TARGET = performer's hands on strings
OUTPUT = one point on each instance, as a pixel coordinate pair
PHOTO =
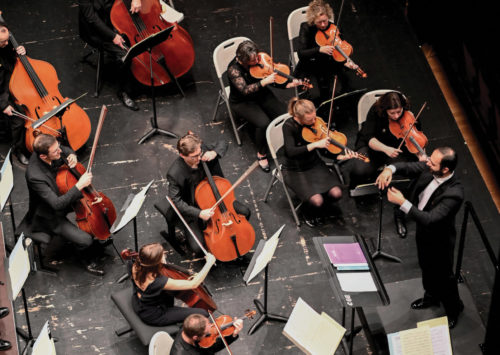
(206, 214)
(119, 41)
(238, 326)
(135, 6)
(208, 156)
(72, 160)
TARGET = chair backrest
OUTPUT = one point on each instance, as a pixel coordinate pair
(274, 134)
(293, 23)
(366, 102)
(224, 54)
(160, 344)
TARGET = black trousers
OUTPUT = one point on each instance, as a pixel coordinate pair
(16, 127)
(63, 227)
(260, 113)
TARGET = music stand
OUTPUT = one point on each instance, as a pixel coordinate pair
(372, 189)
(143, 46)
(6, 186)
(260, 260)
(44, 344)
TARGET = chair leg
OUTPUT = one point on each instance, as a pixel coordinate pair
(217, 104)
(116, 250)
(339, 173)
(290, 202)
(233, 123)
(270, 185)
(100, 60)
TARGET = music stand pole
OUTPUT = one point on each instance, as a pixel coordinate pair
(379, 253)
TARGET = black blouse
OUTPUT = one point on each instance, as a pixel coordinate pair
(297, 157)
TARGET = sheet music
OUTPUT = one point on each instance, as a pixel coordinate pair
(6, 181)
(356, 282)
(19, 267)
(132, 209)
(416, 341)
(440, 335)
(266, 255)
(44, 344)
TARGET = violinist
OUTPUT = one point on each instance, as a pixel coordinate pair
(183, 177)
(96, 29)
(375, 140)
(304, 171)
(153, 298)
(194, 328)
(16, 124)
(316, 62)
(251, 98)
(48, 209)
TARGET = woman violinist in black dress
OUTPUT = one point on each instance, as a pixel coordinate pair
(153, 299)
(303, 170)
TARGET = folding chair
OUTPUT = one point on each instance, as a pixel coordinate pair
(170, 14)
(366, 102)
(223, 55)
(160, 344)
(293, 23)
(274, 136)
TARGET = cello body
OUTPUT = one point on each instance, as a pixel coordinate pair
(228, 234)
(35, 86)
(177, 52)
(95, 213)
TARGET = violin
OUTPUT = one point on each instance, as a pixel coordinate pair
(226, 328)
(198, 297)
(342, 50)
(34, 86)
(95, 213)
(404, 128)
(228, 235)
(174, 56)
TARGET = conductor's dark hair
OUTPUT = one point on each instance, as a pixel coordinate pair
(246, 50)
(390, 101)
(450, 158)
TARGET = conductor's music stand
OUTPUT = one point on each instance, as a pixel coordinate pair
(260, 260)
(372, 189)
(147, 45)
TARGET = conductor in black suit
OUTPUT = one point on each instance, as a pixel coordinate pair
(184, 175)
(435, 199)
(47, 207)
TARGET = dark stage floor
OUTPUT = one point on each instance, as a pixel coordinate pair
(78, 305)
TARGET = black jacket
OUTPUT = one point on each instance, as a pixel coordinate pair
(94, 21)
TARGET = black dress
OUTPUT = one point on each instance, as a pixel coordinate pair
(156, 305)
(304, 171)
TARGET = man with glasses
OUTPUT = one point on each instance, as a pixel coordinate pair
(47, 207)
(185, 173)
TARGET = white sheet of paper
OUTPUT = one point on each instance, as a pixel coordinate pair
(19, 267)
(6, 181)
(356, 281)
(133, 208)
(44, 344)
(266, 255)
(416, 341)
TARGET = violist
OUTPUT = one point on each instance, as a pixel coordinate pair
(48, 208)
(184, 175)
(304, 171)
(16, 124)
(153, 300)
(96, 29)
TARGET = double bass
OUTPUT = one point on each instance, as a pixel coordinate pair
(95, 213)
(34, 86)
(176, 53)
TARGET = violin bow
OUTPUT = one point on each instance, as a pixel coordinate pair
(186, 225)
(220, 333)
(413, 124)
(239, 181)
(331, 103)
(27, 118)
(102, 116)
(271, 41)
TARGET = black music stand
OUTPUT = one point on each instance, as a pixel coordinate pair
(372, 189)
(261, 258)
(147, 45)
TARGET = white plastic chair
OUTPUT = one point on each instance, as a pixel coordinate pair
(170, 14)
(160, 344)
(293, 23)
(366, 102)
(274, 136)
(224, 53)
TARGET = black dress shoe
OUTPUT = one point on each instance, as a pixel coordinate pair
(3, 312)
(21, 157)
(264, 166)
(453, 320)
(310, 221)
(127, 101)
(400, 225)
(94, 269)
(424, 302)
(5, 345)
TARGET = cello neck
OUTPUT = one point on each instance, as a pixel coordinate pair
(213, 186)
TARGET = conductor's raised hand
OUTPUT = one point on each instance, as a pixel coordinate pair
(384, 179)
(395, 196)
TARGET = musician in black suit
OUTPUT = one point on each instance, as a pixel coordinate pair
(434, 201)
(97, 30)
(47, 207)
(185, 173)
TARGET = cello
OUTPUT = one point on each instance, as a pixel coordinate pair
(176, 54)
(34, 86)
(196, 298)
(95, 213)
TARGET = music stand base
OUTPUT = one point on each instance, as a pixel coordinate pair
(381, 254)
(264, 316)
(154, 131)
